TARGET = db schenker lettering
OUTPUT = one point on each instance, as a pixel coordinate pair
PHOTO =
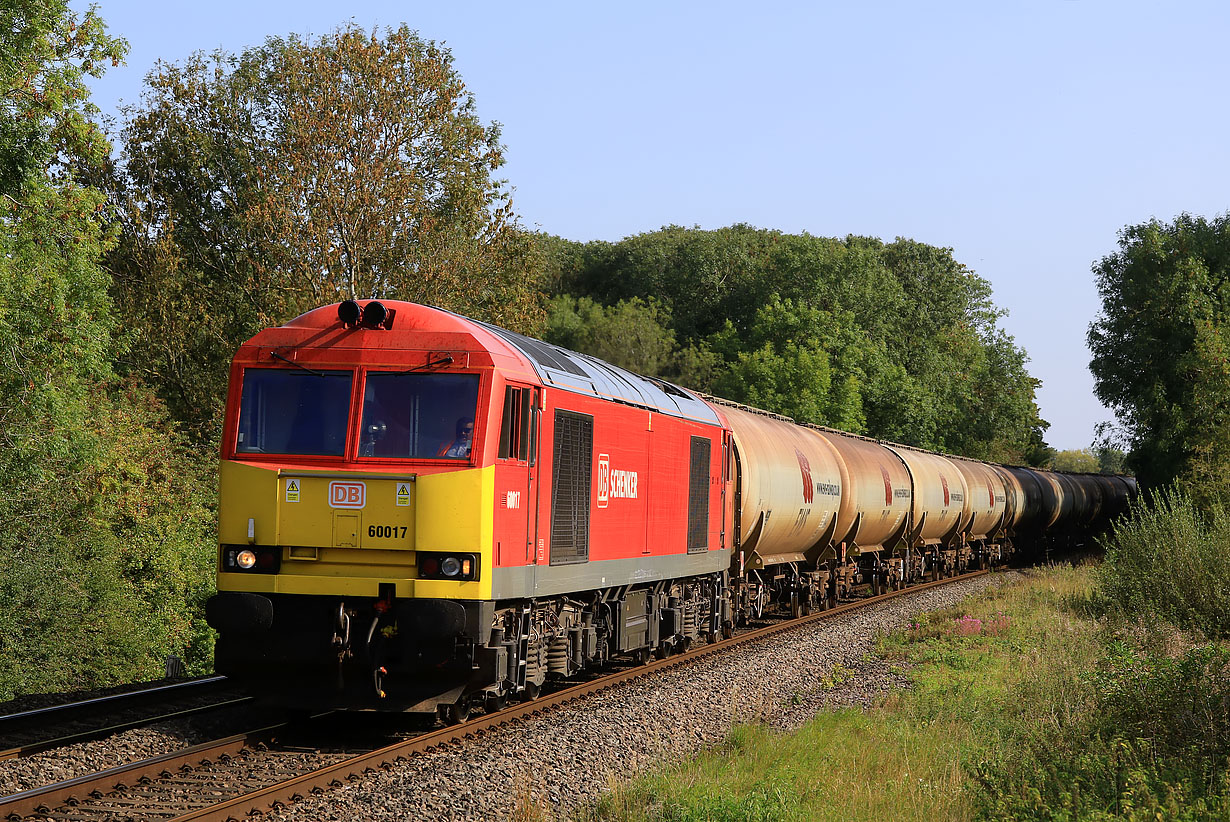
(623, 484)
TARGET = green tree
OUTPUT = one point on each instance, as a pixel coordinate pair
(258, 186)
(1076, 460)
(96, 558)
(633, 334)
(1110, 459)
(1160, 357)
(796, 361)
(899, 340)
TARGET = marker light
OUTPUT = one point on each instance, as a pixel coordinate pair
(453, 567)
(245, 559)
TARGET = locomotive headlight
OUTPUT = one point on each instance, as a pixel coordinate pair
(452, 567)
(349, 313)
(374, 314)
(258, 559)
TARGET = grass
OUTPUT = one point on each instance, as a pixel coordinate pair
(1027, 703)
(844, 765)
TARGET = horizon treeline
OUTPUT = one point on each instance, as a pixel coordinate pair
(892, 340)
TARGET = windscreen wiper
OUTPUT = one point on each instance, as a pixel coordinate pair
(447, 359)
(311, 371)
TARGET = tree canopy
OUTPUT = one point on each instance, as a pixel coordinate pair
(254, 187)
(99, 543)
(1075, 460)
(1160, 354)
(896, 340)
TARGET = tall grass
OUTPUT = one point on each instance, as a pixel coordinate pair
(843, 766)
(1142, 729)
(1168, 562)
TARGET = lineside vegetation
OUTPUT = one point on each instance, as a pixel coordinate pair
(1094, 693)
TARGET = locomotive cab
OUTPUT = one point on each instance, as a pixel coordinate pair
(356, 506)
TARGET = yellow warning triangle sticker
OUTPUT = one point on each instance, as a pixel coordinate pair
(293, 485)
(402, 490)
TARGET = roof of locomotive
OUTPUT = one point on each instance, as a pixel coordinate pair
(589, 375)
(554, 365)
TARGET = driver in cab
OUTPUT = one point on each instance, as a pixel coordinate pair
(459, 448)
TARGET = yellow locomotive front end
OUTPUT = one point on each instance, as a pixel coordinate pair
(353, 533)
(356, 505)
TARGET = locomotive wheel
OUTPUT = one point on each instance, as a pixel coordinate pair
(641, 656)
(495, 702)
(728, 629)
(531, 692)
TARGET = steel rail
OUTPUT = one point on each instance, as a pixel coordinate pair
(47, 799)
(97, 733)
(292, 790)
(23, 717)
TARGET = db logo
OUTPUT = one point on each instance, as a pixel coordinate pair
(347, 494)
(604, 480)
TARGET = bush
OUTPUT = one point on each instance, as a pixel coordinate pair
(1142, 737)
(108, 563)
(1167, 562)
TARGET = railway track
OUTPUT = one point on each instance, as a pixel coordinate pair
(44, 729)
(266, 768)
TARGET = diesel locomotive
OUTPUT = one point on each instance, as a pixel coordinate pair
(422, 512)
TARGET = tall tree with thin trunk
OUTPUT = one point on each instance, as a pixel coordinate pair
(300, 173)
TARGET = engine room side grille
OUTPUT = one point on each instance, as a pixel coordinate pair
(572, 471)
(698, 497)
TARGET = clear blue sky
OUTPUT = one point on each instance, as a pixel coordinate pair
(1022, 135)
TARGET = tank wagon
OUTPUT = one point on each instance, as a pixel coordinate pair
(422, 512)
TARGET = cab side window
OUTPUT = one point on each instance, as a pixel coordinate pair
(518, 424)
